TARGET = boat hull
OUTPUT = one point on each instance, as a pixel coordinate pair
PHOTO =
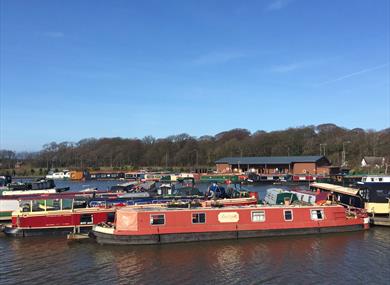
(107, 238)
(20, 232)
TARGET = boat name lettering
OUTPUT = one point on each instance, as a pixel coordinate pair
(228, 217)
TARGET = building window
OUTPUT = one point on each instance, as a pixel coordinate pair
(258, 216)
(157, 219)
(198, 218)
(288, 215)
(317, 215)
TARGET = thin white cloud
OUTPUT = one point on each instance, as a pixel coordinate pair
(277, 5)
(217, 58)
(287, 67)
(354, 74)
(54, 34)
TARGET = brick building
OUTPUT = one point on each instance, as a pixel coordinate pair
(275, 164)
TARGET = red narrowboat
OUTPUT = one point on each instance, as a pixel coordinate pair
(62, 214)
(167, 225)
(55, 214)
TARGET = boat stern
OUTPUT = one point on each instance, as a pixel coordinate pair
(12, 231)
(103, 229)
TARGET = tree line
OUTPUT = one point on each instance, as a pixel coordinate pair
(187, 151)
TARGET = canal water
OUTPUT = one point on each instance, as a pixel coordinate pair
(355, 258)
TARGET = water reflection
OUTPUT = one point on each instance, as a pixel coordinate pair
(233, 261)
(301, 260)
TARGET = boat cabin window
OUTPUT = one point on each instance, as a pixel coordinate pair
(53, 205)
(380, 179)
(258, 216)
(198, 218)
(288, 215)
(379, 196)
(86, 219)
(25, 206)
(372, 179)
(157, 219)
(317, 215)
(110, 217)
(67, 204)
(38, 205)
(80, 203)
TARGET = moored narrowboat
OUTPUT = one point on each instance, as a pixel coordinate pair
(134, 176)
(40, 186)
(106, 175)
(78, 212)
(55, 214)
(376, 181)
(228, 178)
(167, 225)
(374, 199)
(277, 196)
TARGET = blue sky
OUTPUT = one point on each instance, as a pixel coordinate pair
(79, 69)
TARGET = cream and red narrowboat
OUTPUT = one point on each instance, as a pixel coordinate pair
(62, 214)
(167, 225)
(55, 214)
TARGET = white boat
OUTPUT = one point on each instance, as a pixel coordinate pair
(277, 196)
(375, 180)
(64, 174)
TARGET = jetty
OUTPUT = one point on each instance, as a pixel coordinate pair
(77, 237)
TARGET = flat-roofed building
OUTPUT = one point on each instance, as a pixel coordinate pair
(317, 164)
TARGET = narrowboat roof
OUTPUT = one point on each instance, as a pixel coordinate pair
(336, 188)
(302, 191)
(229, 208)
(68, 195)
